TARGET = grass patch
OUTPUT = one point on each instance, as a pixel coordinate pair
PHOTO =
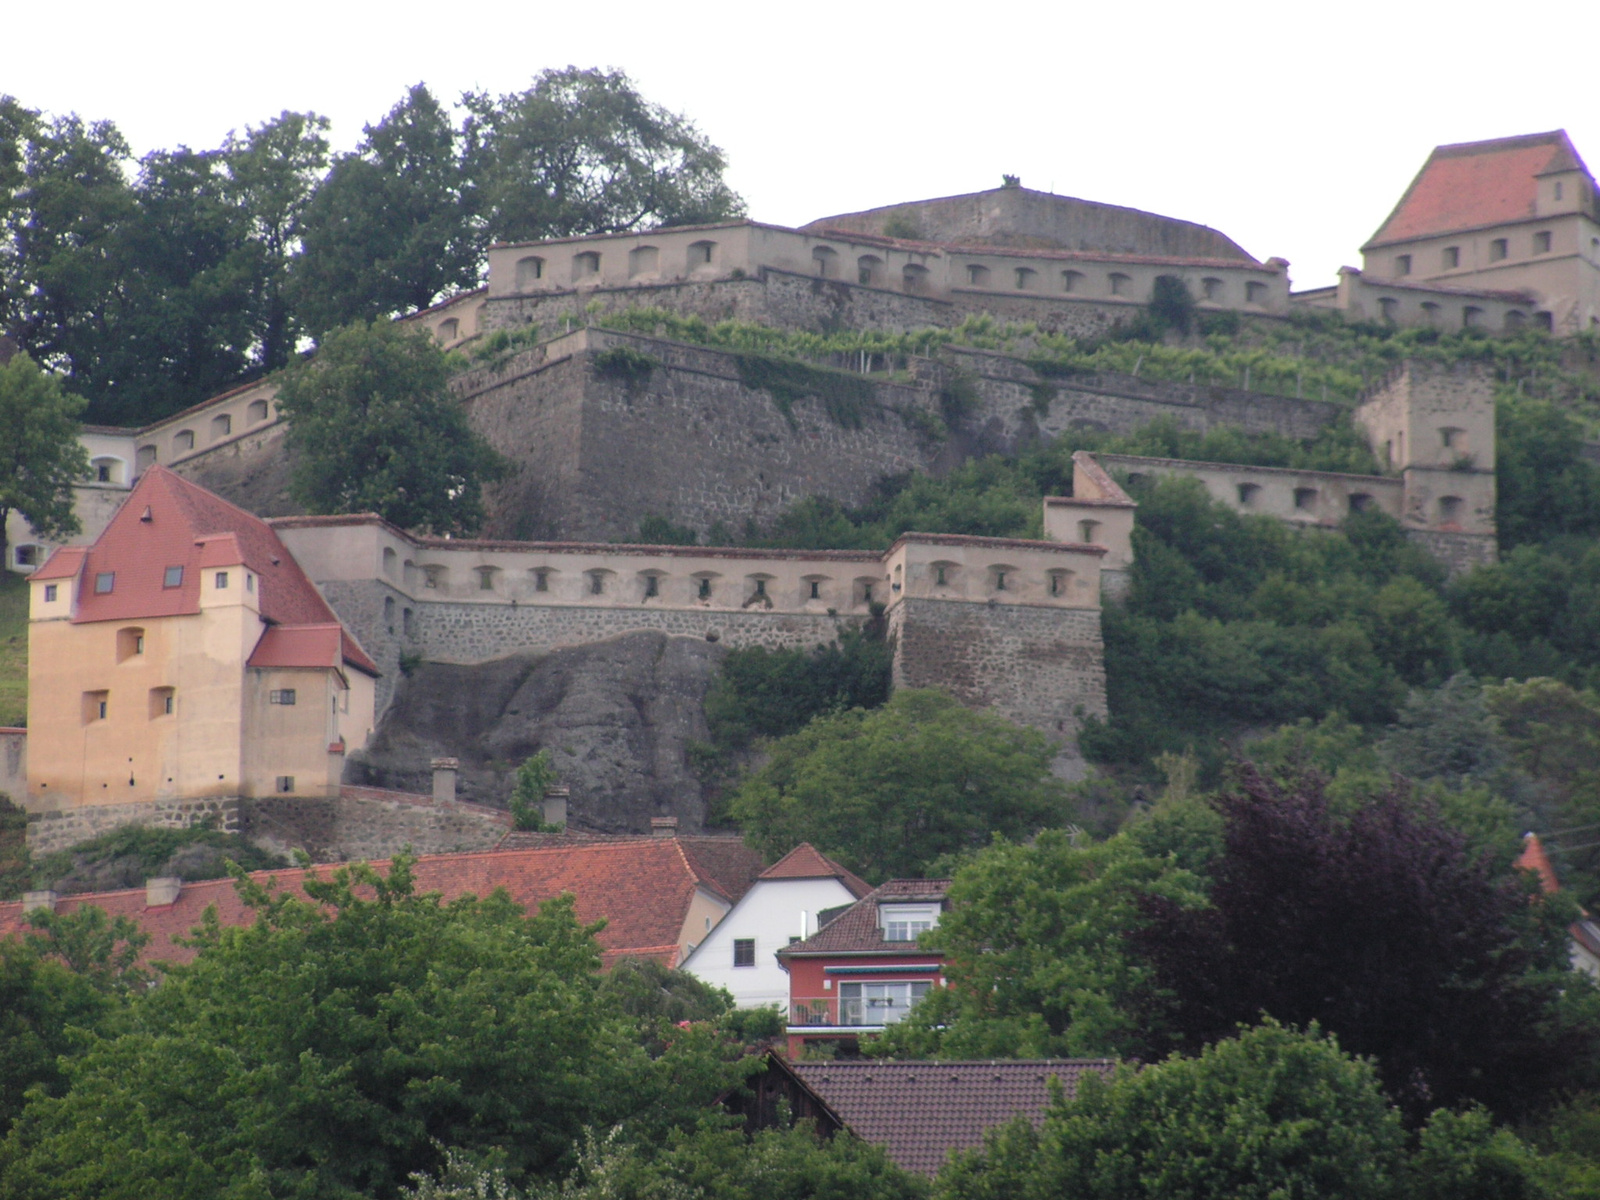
(13, 649)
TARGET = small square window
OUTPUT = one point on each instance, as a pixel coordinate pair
(1452, 257)
(744, 952)
(1541, 243)
(286, 783)
(49, 593)
(1402, 264)
(172, 577)
(102, 473)
(1498, 249)
(281, 696)
(104, 582)
(222, 580)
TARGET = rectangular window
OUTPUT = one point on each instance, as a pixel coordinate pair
(249, 583)
(541, 581)
(1541, 243)
(49, 593)
(102, 473)
(95, 705)
(161, 702)
(281, 696)
(1402, 264)
(652, 586)
(286, 783)
(172, 577)
(104, 582)
(1451, 258)
(905, 931)
(222, 580)
(1498, 249)
(878, 1003)
(816, 589)
(744, 952)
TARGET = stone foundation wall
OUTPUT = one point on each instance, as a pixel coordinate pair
(1038, 666)
(370, 825)
(250, 471)
(1459, 552)
(56, 829)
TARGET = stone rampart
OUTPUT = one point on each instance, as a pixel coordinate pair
(1038, 666)
(251, 471)
(1459, 552)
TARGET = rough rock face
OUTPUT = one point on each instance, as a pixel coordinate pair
(617, 716)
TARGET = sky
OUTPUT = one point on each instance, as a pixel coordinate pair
(1293, 128)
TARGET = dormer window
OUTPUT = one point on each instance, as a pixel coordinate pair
(906, 922)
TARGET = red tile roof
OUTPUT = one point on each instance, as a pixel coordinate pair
(63, 564)
(920, 1111)
(642, 888)
(806, 862)
(1533, 858)
(1472, 185)
(725, 865)
(191, 528)
(856, 930)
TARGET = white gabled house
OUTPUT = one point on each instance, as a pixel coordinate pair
(779, 909)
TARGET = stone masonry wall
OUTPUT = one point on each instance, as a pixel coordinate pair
(1459, 552)
(59, 828)
(1038, 666)
(251, 471)
(370, 825)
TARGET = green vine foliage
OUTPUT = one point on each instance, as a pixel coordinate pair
(847, 399)
(624, 365)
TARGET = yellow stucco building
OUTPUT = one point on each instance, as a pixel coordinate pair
(183, 661)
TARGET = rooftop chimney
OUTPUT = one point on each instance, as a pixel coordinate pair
(162, 890)
(444, 779)
(663, 826)
(555, 805)
(33, 900)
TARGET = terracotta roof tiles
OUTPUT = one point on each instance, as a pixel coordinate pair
(920, 1111)
(856, 930)
(806, 862)
(641, 888)
(1472, 185)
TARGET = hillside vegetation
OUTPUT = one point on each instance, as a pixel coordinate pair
(13, 649)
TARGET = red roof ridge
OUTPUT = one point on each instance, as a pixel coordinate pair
(805, 861)
(1533, 858)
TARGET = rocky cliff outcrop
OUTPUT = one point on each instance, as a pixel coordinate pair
(617, 715)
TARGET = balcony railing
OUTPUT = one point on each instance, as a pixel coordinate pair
(869, 1012)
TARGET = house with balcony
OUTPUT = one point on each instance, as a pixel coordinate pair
(863, 970)
(781, 909)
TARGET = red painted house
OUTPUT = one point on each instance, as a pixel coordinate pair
(862, 970)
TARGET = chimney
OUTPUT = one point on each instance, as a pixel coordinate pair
(555, 805)
(162, 890)
(444, 779)
(33, 900)
(663, 826)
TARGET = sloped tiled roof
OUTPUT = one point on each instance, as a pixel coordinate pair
(724, 864)
(805, 861)
(1533, 858)
(642, 888)
(1472, 185)
(856, 930)
(167, 521)
(920, 1111)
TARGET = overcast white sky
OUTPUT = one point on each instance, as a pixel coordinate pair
(1291, 127)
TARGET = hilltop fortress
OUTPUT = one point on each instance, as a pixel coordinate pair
(607, 427)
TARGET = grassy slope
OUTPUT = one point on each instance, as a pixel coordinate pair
(13, 649)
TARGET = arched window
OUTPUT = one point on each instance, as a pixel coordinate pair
(1471, 317)
(643, 260)
(183, 440)
(391, 561)
(1248, 493)
(1211, 288)
(977, 275)
(106, 470)
(1071, 281)
(1002, 577)
(388, 612)
(1255, 293)
(448, 329)
(1305, 498)
(869, 270)
(1430, 312)
(1390, 308)
(221, 426)
(144, 457)
(1060, 582)
(257, 412)
(1360, 502)
(1087, 530)
(130, 643)
(530, 271)
(702, 254)
(1544, 321)
(826, 259)
(1516, 318)
(585, 265)
(1027, 279)
(914, 278)
(485, 578)
(1119, 283)
(1450, 508)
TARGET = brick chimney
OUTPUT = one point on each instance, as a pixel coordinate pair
(44, 899)
(444, 779)
(162, 890)
(555, 805)
(663, 826)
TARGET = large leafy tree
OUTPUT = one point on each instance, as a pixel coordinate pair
(1383, 927)
(889, 790)
(581, 151)
(332, 1048)
(1272, 1114)
(40, 454)
(374, 429)
(389, 230)
(1033, 946)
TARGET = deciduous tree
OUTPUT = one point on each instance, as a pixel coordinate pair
(40, 454)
